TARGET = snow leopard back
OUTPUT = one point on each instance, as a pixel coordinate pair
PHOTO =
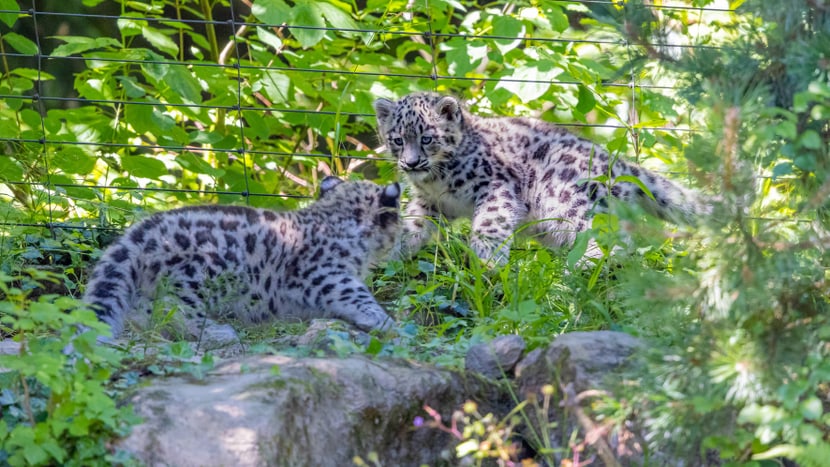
(252, 265)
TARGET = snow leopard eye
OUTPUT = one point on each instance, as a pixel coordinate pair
(398, 141)
(426, 139)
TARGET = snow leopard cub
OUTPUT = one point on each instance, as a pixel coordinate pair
(505, 172)
(252, 265)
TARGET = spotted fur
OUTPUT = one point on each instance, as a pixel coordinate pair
(506, 172)
(253, 265)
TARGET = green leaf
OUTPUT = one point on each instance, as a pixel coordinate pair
(144, 167)
(256, 126)
(156, 71)
(9, 170)
(507, 26)
(374, 347)
(31, 118)
(579, 248)
(558, 19)
(810, 139)
(276, 85)
(805, 162)
(308, 14)
(9, 18)
(131, 87)
(160, 41)
(268, 38)
(32, 74)
(139, 117)
(196, 164)
(336, 17)
(530, 82)
(636, 181)
(463, 55)
(587, 101)
(182, 82)
(130, 26)
(73, 160)
(273, 12)
(52, 447)
(811, 408)
(77, 45)
(20, 43)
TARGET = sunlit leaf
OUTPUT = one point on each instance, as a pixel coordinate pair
(308, 14)
(273, 12)
(36, 75)
(587, 101)
(143, 167)
(9, 18)
(78, 44)
(9, 170)
(530, 82)
(508, 27)
(160, 40)
(20, 43)
(268, 38)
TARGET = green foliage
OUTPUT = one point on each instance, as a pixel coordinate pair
(742, 321)
(56, 407)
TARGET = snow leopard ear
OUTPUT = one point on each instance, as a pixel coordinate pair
(449, 108)
(328, 183)
(384, 108)
(391, 195)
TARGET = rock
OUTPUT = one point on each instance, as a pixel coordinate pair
(217, 336)
(279, 410)
(584, 359)
(497, 358)
(319, 335)
(9, 347)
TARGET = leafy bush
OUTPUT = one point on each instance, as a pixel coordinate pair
(56, 407)
(742, 322)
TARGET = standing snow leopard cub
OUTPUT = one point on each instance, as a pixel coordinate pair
(505, 172)
(253, 265)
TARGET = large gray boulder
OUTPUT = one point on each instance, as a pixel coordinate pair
(292, 411)
(284, 411)
(587, 360)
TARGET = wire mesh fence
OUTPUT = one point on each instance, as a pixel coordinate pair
(111, 108)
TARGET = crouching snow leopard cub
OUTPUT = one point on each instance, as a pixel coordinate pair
(504, 172)
(253, 265)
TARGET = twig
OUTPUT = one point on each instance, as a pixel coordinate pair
(571, 401)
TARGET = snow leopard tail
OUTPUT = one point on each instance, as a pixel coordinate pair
(113, 285)
(662, 197)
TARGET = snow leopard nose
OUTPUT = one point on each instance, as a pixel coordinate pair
(410, 159)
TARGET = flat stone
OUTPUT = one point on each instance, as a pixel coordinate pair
(497, 358)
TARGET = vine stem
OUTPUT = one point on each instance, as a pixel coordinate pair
(210, 28)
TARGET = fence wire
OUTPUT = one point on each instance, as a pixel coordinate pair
(37, 65)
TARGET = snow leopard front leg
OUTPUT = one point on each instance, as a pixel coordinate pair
(419, 224)
(495, 219)
(346, 297)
